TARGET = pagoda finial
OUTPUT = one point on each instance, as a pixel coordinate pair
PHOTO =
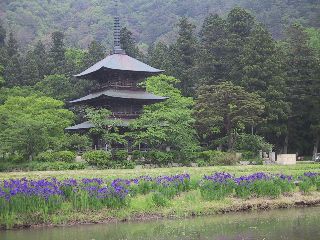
(116, 34)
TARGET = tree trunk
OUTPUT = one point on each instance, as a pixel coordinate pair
(315, 147)
(230, 140)
(285, 145)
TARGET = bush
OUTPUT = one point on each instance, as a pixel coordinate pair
(56, 166)
(98, 158)
(61, 156)
(216, 158)
(252, 143)
(121, 155)
(160, 157)
(41, 166)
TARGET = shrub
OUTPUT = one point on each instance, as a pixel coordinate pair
(55, 166)
(252, 143)
(98, 158)
(120, 155)
(160, 157)
(61, 156)
(216, 158)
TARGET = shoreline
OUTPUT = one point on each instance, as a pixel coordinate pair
(210, 208)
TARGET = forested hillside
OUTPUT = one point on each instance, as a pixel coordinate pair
(150, 20)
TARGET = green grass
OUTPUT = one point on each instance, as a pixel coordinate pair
(194, 172)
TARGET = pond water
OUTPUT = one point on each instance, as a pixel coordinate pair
(293, 224)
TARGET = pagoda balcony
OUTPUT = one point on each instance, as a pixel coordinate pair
(127, 115)
(118, 85)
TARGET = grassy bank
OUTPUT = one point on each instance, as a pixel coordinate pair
(196, 172)
(100, 196)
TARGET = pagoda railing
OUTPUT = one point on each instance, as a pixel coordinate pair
(127, 114)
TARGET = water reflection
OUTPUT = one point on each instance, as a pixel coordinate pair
(293, 224)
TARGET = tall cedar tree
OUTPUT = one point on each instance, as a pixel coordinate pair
(240, 24)
(57, 53)
(158, 56)
(128, 44)
(41, 57)
(213, 66)
(12, 45)
(30, 71)
(3, 34)
(96, 52)
(183, 57)
(262, 72)
(301, 76)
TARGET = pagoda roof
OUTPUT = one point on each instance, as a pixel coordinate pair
(87, 125)
(121, 62)
(124, 94)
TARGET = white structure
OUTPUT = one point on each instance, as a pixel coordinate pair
(287, 159)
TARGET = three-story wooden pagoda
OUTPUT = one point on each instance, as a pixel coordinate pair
(118, 77)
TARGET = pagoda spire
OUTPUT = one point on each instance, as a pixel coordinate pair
(116, 32)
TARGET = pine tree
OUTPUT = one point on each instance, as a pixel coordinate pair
(3, 34)
(30, 71)
(301, 77)
(128, 44)
(262, 72)
(211, 61)
(13, 72)
(96, 52)
(183, 56)
(159, 57)
(41, 58)
(12, 46)
(240, 25)
(57, 53)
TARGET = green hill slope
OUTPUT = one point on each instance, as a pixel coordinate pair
(149, 20)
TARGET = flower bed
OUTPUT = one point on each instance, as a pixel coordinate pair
(47, 196)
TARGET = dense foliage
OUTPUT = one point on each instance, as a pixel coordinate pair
(83, 21)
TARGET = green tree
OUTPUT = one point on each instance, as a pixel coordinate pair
(129, 44)
(169, 123)
(3, 34)
(159, 56)
(262, 72)
(30, 125)
(57, 53)
(12, 46)
(1, 76)
(13, 72)
(57, 86)
(96, 53)
(41, 58)
(302, 69)
(224, 109)
(105, 126)
(183, 57)
(212, 63)
(29, 71)
(240, 25)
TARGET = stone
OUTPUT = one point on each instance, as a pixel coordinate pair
(287, 159)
